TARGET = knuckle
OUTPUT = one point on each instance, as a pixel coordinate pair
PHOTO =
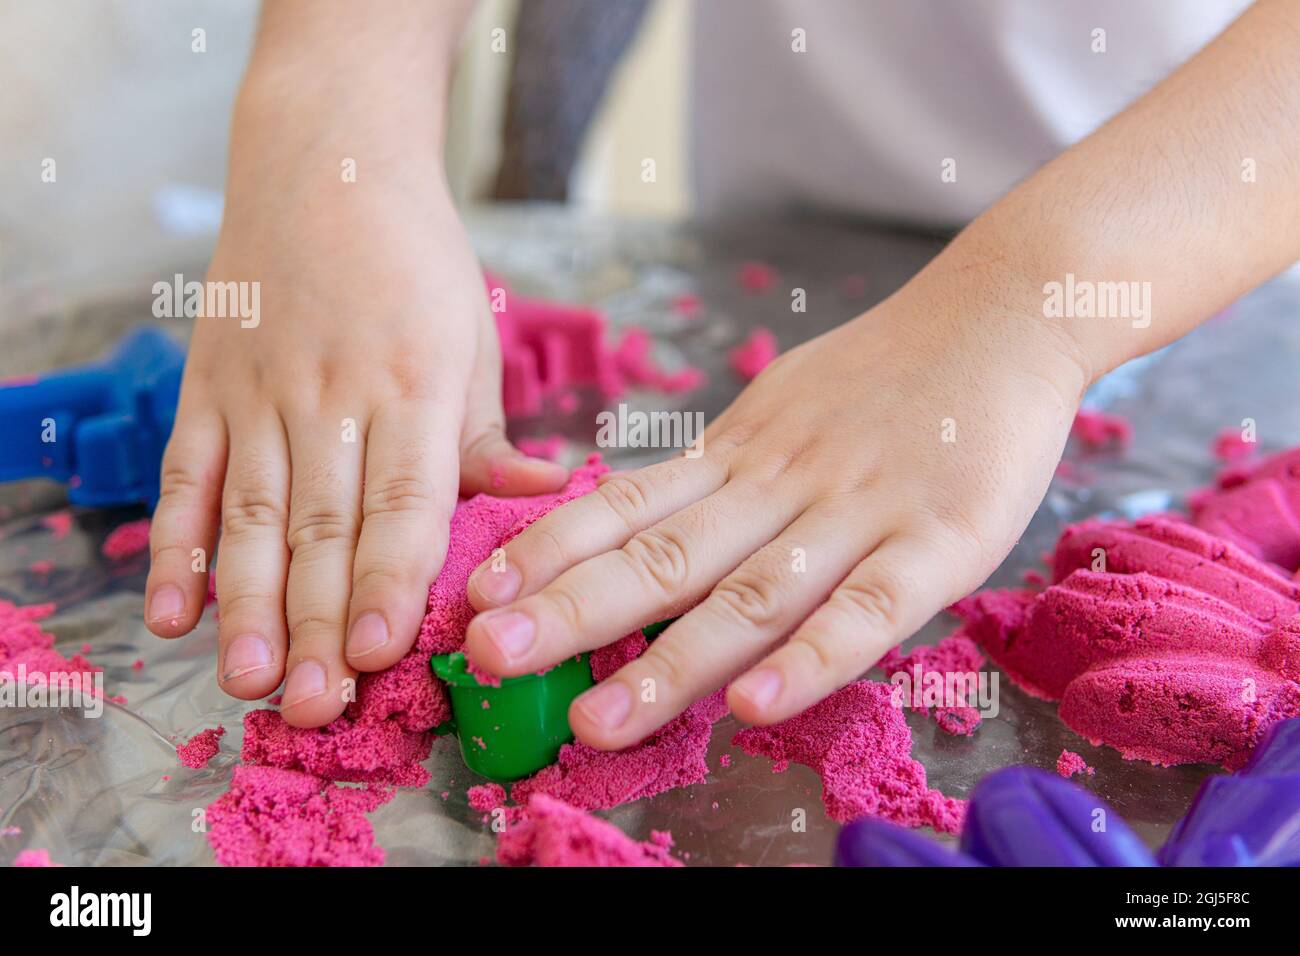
(567, 607)
(397, 493)
(306, 623)
(320, 525)
(659, 555)
(752, 599)
(380, 578)
(669, 664)
(171, 553)
(178, 479)
(627, 496)
(815, 648)
(249, 510)
(236, 605)
(874, 600)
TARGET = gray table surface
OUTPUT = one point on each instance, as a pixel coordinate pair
(92, 791)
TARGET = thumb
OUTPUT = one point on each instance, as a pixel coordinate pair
(488, 462)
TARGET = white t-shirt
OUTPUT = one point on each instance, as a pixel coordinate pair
(888, 91)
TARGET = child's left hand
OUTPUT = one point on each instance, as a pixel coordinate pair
(863, 482)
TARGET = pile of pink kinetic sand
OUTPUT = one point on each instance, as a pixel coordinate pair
(202, 747)
(548, 350)
(1173, 641)
(954, 655)
(552, 833)
(34, 858)
(25, 648)
(274, 817)
(860, 744)
(126, 540)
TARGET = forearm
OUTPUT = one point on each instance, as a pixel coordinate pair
(1160, 195)
(332, 81)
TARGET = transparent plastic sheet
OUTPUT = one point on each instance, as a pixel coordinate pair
(110, 791)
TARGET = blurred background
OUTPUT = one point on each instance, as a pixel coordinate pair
(137, 123)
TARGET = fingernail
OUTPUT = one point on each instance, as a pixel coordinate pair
(306, 680)
(246, 653)
(608, 704)
(167, 603)
(512, 633)
(498, 585)
(761, 688)
(369, 633)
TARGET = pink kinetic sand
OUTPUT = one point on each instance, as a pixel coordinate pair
(754, 354)
(274, 817)
(486, 797)
(1097, 430)
(1070, 763)
(952, 655)
(1229, 445)
(1172, 642)
(756, 277)
(548, 350)
(552, 833)
(674, 756)
(59, 523)
(126, 540)
(860, 744)
(34, 858)
(202, 747)
(24, 647)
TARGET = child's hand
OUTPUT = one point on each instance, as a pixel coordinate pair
(864, 481)
(328, 443)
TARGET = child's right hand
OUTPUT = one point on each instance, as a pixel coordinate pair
(328, 443)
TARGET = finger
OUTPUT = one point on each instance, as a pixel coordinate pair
(658, 573)
(590, 525)
(761, 601)
(254, 558)
(410, 492)
(327, 452)
(488, 462)
(884, 600)
(185, 520)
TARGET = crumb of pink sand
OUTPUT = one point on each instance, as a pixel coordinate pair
(1098, 430)
(853, 286)
(1070, 763)
(860, 744)
(1230, 445)
(724, 760)
(34, 858)
(688, 306)
(275, 699)
(59, 523)
(10, 831)
(486, 797)
(43, 566)
(202, 747)
(954, 655)
(166, 777)
(551, 832)
(754, 354)
(756, 277)
(274, 817)
(85, 648)
(137, 665)
(126, 540)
